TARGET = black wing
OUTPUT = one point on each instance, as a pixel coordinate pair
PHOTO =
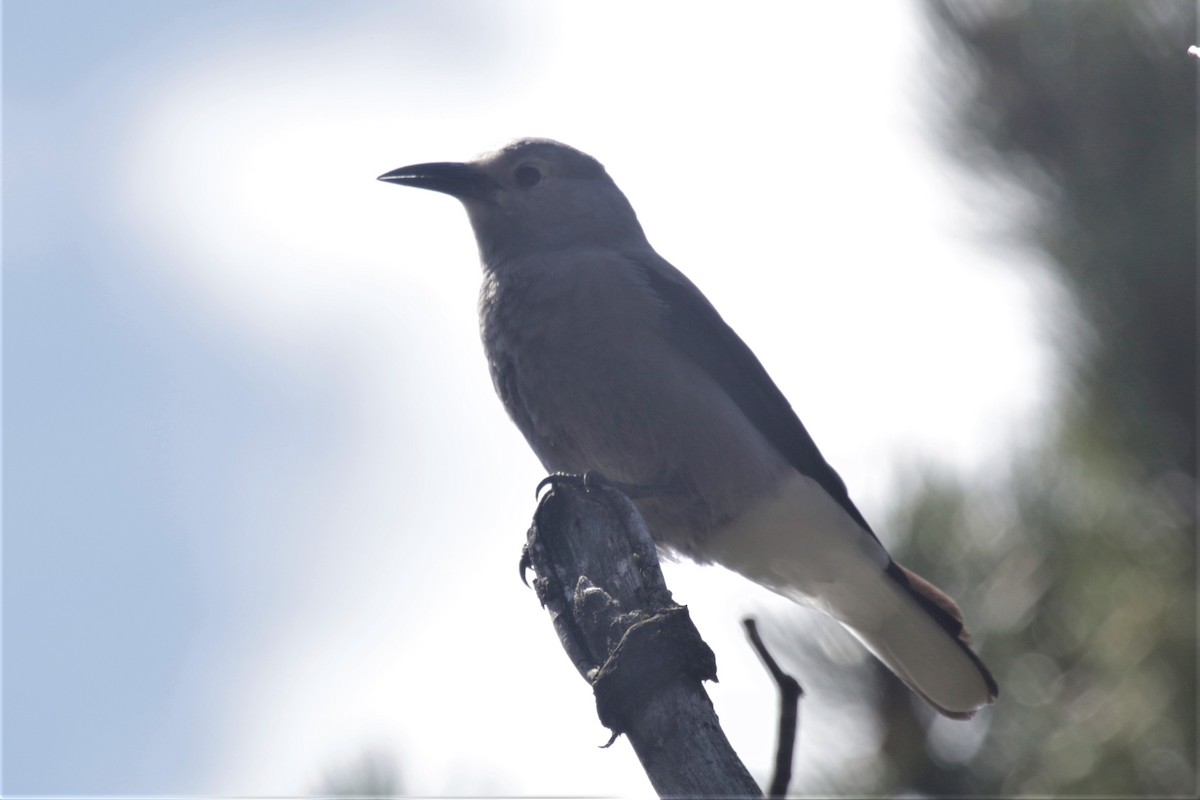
(698, 331)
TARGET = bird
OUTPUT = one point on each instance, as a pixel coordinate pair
(610, 360)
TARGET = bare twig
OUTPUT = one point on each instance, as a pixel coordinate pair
(790, 693)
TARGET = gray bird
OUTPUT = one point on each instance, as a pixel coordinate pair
(609, 359)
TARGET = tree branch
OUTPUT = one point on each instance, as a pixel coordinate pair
(599, 579)
(790, 693)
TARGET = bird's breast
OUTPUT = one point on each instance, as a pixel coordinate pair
(587, 374)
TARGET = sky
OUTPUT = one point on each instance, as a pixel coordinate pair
(261, 509)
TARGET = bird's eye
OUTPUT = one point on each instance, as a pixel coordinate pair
(527, 176)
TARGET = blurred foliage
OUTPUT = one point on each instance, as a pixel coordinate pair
(1093, 107)
(373, 774)
(1077, 569)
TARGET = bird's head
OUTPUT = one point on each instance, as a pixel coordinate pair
(532, 196)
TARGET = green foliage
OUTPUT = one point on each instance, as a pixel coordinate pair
(1079, 582)
(1093, 107)
(1078, 570)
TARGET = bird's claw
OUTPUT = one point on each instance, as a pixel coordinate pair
(587, 481)
(593, 479)
(526, 563)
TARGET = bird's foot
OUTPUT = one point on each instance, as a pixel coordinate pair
(593, 479)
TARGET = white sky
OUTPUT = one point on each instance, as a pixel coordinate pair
(777, 153)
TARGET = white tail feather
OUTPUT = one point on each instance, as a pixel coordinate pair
(800, 543)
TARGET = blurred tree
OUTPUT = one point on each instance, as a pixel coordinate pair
(1077, 569)
(372, 774)
(1093, 106)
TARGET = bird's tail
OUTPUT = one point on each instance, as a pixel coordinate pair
(917, 631)
(831, 563)
(924, 642)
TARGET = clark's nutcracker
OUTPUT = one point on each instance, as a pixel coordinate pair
(609, 359)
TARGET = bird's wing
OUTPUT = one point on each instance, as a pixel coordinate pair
(700, 334)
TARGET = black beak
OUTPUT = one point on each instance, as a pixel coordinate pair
(464, 181)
